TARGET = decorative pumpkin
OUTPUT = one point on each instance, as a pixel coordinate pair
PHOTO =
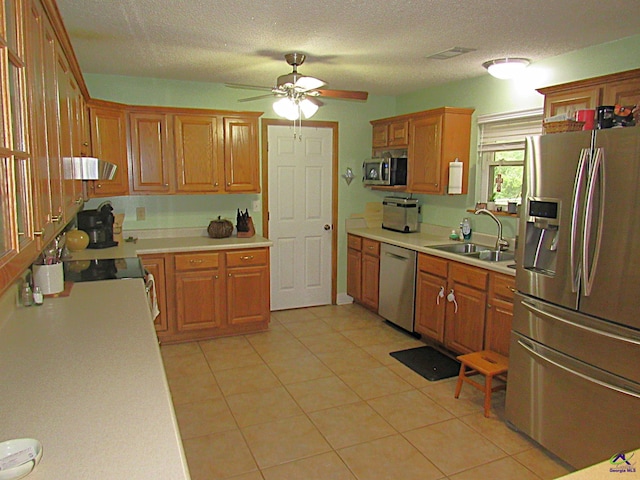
(220, 228)
(76, 240)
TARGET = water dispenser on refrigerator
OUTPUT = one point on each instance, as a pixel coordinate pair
(541, 235)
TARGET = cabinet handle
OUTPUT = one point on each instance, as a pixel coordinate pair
(86, 144)
(370, 247)
(216, 277)
(488, 305)
(79, 201)
(247, 257)
(215, 184)
(98, 185)
(56, 218)
(452, 298)
(513, 290)
(38, 234)
(228, 184)
(196, 261)
(229, 275)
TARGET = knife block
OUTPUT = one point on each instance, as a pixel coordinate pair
(250, 233)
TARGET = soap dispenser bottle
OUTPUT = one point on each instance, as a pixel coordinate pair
(465, 228)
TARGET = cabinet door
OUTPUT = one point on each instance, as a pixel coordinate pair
(43, 214)
(248, 295)
(199, 166)
(354, 274)
(430, 306)
(399, 134)
(380, 135)
(149, 161)
(425, 155)
(241, 163)
(109, 142)
(156, 266)
(624, 93)
(498, 331)
(199, 300)
(370, 281)
(464, 331)
(571, 101)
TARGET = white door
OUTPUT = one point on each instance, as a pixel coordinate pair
(300, 172)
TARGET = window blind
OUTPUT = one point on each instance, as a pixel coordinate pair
(507, 131)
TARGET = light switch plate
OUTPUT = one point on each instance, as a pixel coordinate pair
(141, 213)
(255, 205)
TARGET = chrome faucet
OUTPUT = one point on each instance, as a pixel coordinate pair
(501, 243)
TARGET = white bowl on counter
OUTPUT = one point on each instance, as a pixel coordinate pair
(19, 457)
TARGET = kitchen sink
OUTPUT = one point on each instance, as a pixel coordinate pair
(492, 255)
(473, 250)
(462, 248)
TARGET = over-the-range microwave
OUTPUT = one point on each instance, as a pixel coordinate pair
(385, 171)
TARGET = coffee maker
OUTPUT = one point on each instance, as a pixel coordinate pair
(99, 226)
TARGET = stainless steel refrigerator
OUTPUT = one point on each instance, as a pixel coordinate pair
(574, 374)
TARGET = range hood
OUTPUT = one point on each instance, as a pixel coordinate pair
(88, 168)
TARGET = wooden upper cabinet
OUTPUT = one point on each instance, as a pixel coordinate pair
(109, 142)
(241, 162)
(148, 153)
(436, 138)
(390, 133)
(571, 101)
(619, 88)
(433, 139)
(199, 166)
(623, 92)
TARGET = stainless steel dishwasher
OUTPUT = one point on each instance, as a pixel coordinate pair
(397, 285)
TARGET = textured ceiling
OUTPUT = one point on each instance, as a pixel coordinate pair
(379, 46)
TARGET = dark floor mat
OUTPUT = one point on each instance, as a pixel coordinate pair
(428, 362)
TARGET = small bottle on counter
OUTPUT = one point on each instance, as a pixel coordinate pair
(453, 235)
(26, 296)
(465, 228)
(38, 297)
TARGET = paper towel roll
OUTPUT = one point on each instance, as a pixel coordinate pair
(455, 177)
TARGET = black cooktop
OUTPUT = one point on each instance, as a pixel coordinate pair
(103, 269)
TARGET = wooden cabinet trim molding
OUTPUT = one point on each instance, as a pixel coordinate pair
(591, 82)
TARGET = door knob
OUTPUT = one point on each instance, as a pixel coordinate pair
(327, 227)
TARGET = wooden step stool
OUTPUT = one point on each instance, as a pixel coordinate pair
(486, 363)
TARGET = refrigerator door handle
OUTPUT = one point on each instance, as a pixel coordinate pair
(575, 219)
(613, 335)
(533, 350)
(589, 268)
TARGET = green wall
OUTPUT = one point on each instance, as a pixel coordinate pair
(484, 93)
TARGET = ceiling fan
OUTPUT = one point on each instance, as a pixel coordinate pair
(299, 93)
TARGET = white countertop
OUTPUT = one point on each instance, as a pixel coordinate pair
(84, 375)
(422, 241)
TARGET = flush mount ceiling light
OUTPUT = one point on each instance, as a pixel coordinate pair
(505, 68)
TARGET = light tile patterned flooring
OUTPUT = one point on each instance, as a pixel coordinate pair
(319, 397)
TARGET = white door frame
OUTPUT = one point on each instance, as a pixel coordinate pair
(266, 122)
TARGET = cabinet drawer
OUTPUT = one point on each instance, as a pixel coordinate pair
(371, 247)
(467, 275)
(502, 286)
(243, 258)
(354, 242)
(433, 265)
(196, 261)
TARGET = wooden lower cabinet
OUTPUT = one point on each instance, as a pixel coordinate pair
(363, 271)
(212, 293)
(155, 265)
(458, 324)
(499, 313)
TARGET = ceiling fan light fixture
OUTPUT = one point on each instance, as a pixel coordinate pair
(286, 107)
(308, 108)
(506, 68)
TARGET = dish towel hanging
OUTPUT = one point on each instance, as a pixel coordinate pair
(152, 297)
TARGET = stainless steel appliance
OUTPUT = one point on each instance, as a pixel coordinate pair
(400, 214)
(397, 285)
(574, 381)
(385, 171)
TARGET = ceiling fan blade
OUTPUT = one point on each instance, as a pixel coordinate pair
(344, 94)
(250, 99)
(248, 87)
(315, 100)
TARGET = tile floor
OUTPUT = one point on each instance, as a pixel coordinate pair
(319, 397)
